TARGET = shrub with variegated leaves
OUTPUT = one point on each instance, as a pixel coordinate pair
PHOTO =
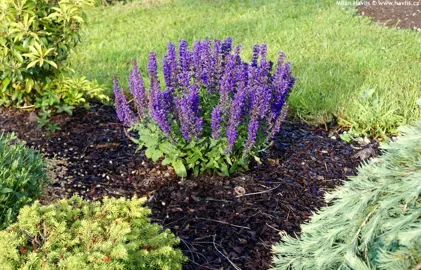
(36, 38)
(215, 110)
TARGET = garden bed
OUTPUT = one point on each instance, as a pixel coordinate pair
(401, 13)
(223, 222)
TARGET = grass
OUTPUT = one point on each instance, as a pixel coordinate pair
(346, 67)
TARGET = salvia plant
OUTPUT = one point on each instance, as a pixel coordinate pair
(214, 112)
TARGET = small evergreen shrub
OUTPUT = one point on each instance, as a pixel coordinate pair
(372, 222)
(22, 177)
(78, 234)
(37, 37)
(216, 111)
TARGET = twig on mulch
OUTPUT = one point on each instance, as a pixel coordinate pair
(223, 255)
(226, 223)
(130, 137)
(273, 227)
(260, 192)
(187, 245)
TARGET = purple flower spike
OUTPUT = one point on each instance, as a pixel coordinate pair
(227, 46)
(180, 104)
(161, 110)
(216, 122)
(252, 134)
(263, 52)
(217, 59)
(207, 64)
(197, 126)
(138, 90)
(197, 55)
(185, 56)
(191, 123)
(153, 66)
(237, 110)
(278, 122)
(155, 86)
(124, 113)
(170, 66)
(227, 81)
(186, 59)
(283, 83)
(256, 53)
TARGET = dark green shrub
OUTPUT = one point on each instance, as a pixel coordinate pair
(22, 177)
(37, 38)
(78, 234)
(374, 220)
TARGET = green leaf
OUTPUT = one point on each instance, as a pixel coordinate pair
(346, 137)
(224, 169)
(168, 148)
(33, 63)
(65, 108)
(167, 160)
(6, 190)
(5, 83)
(196, 170)
(18, 56)
(51, 63)
(153, 153)
(179, 168)
(150, 139)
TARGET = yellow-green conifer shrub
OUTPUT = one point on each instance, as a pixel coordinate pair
(372, 222)
(78, 234)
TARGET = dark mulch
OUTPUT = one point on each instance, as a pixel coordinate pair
(394, 13)
(218, 229)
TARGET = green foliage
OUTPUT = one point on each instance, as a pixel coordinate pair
(22, 177)
(78, 234)
(200, 156)
(372, 222)
(37, 38)
(67, 94)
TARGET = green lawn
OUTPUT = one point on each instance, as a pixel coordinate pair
(346, 66)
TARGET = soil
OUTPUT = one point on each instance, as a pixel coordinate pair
(394, 13)
(223, 222)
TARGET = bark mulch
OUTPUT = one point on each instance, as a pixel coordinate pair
(223, 222)
(394, 13)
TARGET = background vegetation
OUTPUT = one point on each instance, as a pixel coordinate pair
(346, 66)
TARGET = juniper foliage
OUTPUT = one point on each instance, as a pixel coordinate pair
(78, 234)
(372, 222)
